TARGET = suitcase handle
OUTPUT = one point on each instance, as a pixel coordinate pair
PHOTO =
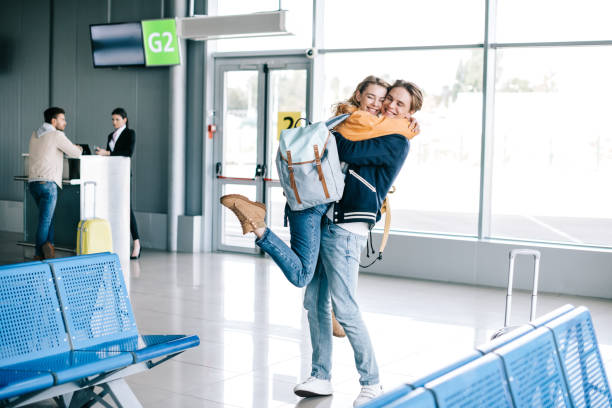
(536, 275)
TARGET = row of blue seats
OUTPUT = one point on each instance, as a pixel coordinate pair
(70, 321)
(554, 361)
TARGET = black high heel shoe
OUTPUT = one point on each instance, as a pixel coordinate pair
(137, 256)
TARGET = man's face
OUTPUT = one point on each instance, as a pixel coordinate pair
(397, 103)
(59, 122)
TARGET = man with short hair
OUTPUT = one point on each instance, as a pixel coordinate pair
(373, 165)
(46, 162)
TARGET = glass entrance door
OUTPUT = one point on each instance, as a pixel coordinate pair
(254, 99)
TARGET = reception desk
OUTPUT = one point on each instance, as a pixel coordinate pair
(75, 201)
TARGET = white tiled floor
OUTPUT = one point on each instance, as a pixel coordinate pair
(254, 334)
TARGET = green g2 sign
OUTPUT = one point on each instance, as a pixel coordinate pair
(160, 42)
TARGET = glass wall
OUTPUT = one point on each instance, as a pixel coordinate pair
(401, 23)
(551, 147)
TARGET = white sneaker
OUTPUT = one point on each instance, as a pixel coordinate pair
(313, 387)
(368, 393)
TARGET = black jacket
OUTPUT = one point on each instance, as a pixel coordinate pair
(373, 165)
(125, 143)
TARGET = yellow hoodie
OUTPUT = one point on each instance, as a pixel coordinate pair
(362, 125)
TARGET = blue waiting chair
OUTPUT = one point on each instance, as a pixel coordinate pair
(35, 350)
(534, 371)
(480, 383)
(581, 361)
(419, 398)
(98, 312)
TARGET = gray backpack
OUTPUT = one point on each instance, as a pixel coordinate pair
(308, 165)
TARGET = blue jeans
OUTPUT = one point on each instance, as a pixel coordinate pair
(335, 282)
(45, 197)
(298, 262)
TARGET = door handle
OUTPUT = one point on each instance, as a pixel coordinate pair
(260, 170)
(218, 168)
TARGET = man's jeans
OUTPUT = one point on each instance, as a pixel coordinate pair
(45, 197)
(336, 275)
(298, 262)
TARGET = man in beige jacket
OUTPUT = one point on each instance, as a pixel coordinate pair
(47, 147)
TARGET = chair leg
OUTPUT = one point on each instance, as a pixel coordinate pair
(122, 394)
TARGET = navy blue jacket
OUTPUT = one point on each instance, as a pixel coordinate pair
(373, 165)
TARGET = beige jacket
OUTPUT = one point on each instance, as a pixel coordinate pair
(46, 160)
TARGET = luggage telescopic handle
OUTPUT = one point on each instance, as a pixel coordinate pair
(85, 196)
(536, 274)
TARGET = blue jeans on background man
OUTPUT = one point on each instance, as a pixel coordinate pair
(45, 197)
(298, 262)
(335, 282)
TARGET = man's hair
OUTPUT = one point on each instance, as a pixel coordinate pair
(351, 104)
(416, 94)
(52, 113)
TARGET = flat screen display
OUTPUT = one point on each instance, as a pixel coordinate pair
(115, 45)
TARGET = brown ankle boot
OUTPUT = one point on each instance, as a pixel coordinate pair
(48, 250)
(337, 329)
(251, 215)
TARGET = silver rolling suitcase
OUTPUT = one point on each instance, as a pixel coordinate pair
(534, 294)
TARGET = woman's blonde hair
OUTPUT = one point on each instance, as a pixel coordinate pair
(352, 104)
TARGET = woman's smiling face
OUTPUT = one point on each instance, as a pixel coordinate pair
(372, 98)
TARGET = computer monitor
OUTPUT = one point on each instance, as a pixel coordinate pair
(86, 149)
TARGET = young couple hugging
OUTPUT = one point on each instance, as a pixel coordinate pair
(327, 240)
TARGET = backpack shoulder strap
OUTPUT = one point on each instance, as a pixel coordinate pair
(385, 238)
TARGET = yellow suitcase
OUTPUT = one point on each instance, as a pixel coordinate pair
(94, 234)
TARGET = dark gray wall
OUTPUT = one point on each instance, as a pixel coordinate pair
(49, 63)
(24, 84)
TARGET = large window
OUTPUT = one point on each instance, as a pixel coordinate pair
(546, 101)
(400, 23)
(553, 20)
(553, 145)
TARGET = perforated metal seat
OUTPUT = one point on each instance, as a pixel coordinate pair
(419, 398)
(14, 383)
(75, 365)
(70, 321)
(31, 326)
(505, 339)
(550, 316)
(447, 368)
(148, 347)
(581, 361)
(389, 397)
(98, 311)
(534, 371)
(480, 383)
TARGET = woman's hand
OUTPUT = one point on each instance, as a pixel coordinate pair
(102, 152)
(414, 126)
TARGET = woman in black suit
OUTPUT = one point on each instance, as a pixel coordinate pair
(121, 143)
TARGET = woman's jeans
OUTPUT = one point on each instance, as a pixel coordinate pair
(298, 262)
(45, 197)
(335, 280)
